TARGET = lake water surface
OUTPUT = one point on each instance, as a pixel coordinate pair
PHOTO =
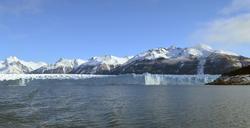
(124, 106)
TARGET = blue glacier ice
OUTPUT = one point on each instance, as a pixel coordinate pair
(128, 79)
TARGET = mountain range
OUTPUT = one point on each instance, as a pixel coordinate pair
(200, 59)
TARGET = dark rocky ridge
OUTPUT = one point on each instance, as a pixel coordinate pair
(172, 60)
(159, 66)
(58, 70)
(214, 64)
(241, 71)
(237, 77)
(93, 69)
(220, 64)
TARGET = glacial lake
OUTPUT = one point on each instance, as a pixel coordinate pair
(124, 106)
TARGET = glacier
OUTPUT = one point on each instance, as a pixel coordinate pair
(200, 67)
(84, 79)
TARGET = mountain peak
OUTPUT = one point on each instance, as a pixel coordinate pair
(107, 59)
(61, 59)
(11, 59)
(172, 47)
(203, 47)
(62, 62)
(206, 49)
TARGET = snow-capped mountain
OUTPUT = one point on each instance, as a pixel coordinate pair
(13, 65)
(200, 59)
(100, 65)
(62, 66)
(173, 52)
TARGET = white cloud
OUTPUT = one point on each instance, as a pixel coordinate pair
(236, 6)
(20, 6)
(233, 28)
(226, 30)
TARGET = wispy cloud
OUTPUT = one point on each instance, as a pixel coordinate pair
(20, 6)
(236, 6)
(233, 26)
(226, 30)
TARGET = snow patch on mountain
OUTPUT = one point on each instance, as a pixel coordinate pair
(12, 65)
(78, 62)
(199, 51)
(100, 64)
(178, 55)
(33, 65)
(109, 60)
(61, 66)
(66, 63)
(227, 52)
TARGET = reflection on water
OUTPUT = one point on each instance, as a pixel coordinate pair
(125, 106)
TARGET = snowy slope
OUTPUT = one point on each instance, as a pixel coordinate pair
(172, 60)
(109, 60)
(200, 50)
(61, 66)
(13, 65)
(199, 59)
(33, 65)
(100, 64)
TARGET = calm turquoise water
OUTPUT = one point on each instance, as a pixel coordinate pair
(72, 105)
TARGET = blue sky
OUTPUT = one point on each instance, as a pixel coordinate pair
(49, 29)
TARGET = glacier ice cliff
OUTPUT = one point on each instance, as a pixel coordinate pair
(128, 79)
